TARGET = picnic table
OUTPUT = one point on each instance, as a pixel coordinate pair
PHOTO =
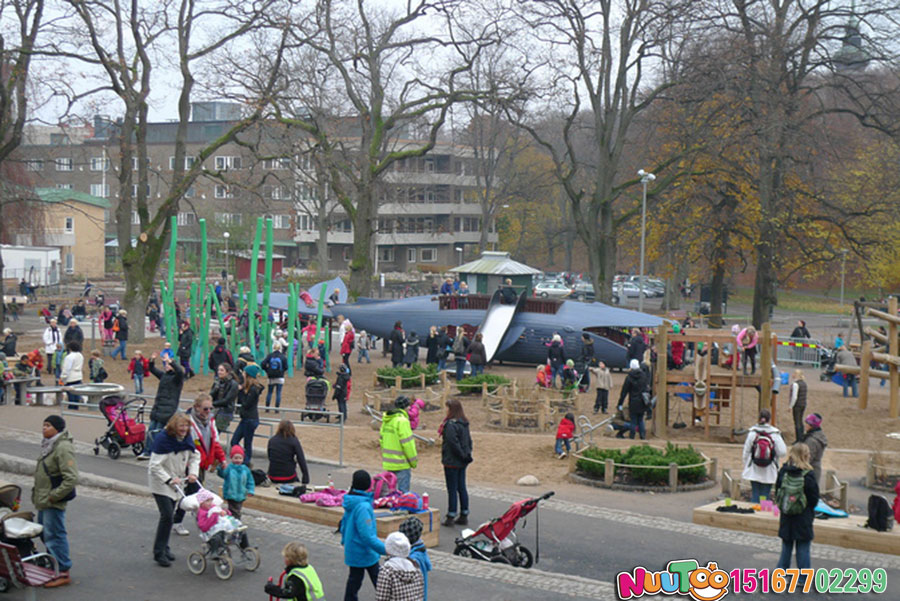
(40, 391)
(9, 394)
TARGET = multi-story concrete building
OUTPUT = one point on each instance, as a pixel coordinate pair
(429, 208)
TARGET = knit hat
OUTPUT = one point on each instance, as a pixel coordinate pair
(396, 545)
(361, 480)
(253, 370)
(570, 363)
(814, 420)
(412, 528)
(58, 423)
(401, 402)
(204, 495)
(237, 450)
(634, 364)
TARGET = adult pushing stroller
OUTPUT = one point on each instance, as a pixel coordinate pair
(316, 394)
(500, 544)
(122, 430)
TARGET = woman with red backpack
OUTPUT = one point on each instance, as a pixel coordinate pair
(763, 450)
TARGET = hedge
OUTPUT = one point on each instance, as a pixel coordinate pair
(657, 460)
(472, 385)
(410, 376)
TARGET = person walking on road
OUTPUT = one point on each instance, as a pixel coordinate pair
(798, 403)
(55, 476)
(362, 548)
(398, 448)
(456, 455)
(763, 448)
(796, 483)
(174, 461)
(165, 405)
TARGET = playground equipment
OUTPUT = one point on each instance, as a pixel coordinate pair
(713, 388)
(885, 350)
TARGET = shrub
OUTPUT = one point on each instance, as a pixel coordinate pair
(410, 376)
(472, 385)
(597, 470)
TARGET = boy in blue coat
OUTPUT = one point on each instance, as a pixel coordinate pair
(362, 548)
(418, 554)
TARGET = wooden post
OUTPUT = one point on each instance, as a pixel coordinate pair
(422, 380)
(661, 415)
(398, 383)
(673, 476)
(844, 499)
(894, 349)
(609, 472)
(870, 472)
(765, 369)
(865, 363)
(504, 414)
(713, 468)
(726, 481)
(736, 489)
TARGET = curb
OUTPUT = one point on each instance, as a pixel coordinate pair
(26, 467)
(579, 479)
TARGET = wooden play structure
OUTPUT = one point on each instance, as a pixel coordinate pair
(878, 347)
(715, 389)
(526, 409)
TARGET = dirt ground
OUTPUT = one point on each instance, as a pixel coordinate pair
(501, 457)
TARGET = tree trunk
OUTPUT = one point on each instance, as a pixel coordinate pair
(569, 246)
(361, 265)
(140, 270)
(764, 297)
(2, 293)
(485, 225)
(716, 289)
(322, 242)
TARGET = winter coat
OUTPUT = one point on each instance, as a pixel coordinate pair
(765, 474)
(816, 441)
(603, 378)
(587, 354)
(171, 458)
(73, 334)
(248, 401)
(59, 462)
(411, 355)
(413, 412)
(313, 367)
(9, 346)
(460, 344)
(800, 332)
(165, 405)
(274, 369)
(400, 580)
(342, 387)
(799, 527)
(432, 343)
(398, 447)
(238, 482)
(636, 349)
(72, 368)
(52, 339)
(456, 448)
(396, 342)
(362, 548)
(744, 345)
(185, 344)
(566, 429)
(218, 356)
(224, 393)
(211, 454)
(122, 334)
(139, 366)
(418, 554)
(556, 355)
(243, 360)
(477, 353)
(633, 388)
(845, 357)
(347, 342)
(284, 454)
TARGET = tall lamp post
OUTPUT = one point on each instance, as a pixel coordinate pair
(459, 249)
(226, 235)
(844, 252)
(646, 178)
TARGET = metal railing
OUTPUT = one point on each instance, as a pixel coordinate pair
(270, 423)
(804, 351)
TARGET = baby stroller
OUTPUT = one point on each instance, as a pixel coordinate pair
(502, 545)
(316, 394)
(228, 543)
(18, 528)
(827, 359)
(122, 431)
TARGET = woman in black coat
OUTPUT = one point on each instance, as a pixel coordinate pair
(477, 355)
(285, 453)
(185, 347)
(556, 356)
(224, 394)
(396, 340)
(432, 343)
(797, 530)
(456, 455)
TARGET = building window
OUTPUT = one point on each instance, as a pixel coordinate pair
(190, 192)
(65, 164)
(135, 218)
(281, 164)
(458, 195)
(276, 192)
(429, 165)
(307, 222)
(281, 222)
(228, 218)
(99, 164)
(461, 167)
(70, 263)
(186, 219)
(134, 190)
(226, 163)
(410, 255)
(70, 225)
(188, 163)
(134, 162)
(34, 165)
(428, 255)
(308, 191)
(223, 191)
(467, 224)
(348, 253)
(101, 190)
(64, 187)
(306, 162)
(386, 254)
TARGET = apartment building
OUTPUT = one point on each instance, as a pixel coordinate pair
(429, 208)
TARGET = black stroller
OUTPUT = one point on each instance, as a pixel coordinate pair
(316, 394)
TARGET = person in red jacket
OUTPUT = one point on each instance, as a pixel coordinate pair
(347, 346)
(564, 434)
(138, 368)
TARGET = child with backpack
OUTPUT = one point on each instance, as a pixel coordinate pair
(95, 367)
(796, 494)
(342, 386)
(763, 449)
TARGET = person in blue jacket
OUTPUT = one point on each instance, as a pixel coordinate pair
(418, 554)
(362, 548)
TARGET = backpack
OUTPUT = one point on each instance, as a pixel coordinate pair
(276, 368)
(762, 453)
(790, 496)
(383, 484)
(259, 477)
(879, 514)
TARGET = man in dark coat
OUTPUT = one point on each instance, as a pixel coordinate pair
(556, 355)
(73, 334)
(396, 340)
(168, 393)
(634, 387)
(508, 294)
(219, 355)
(185, 346)
(585, 361)
(636, 346)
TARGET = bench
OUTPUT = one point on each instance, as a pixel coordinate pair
(9, 394)
(40, 391)
(23, 572)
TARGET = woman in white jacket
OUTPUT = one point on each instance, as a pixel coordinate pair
(763, 449)
(52, 343)
(73, 371)
(173, 460)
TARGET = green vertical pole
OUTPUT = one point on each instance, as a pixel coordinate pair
(254, 264)
(173, 247)
(169, 314)
(201, 299)
(214, 300)
(207, 317)
(240, 309)
(267, 289)
(292, 316)
(196, 324)
(319, 316)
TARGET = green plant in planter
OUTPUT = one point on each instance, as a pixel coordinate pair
(597, 470)
(472, 385)
(410, 376)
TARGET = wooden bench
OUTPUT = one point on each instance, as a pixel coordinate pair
(23, 572)
(10, 387)
(267, 499)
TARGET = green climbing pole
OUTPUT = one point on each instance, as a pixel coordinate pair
(266, 325)
(254, 265)
(292, 320)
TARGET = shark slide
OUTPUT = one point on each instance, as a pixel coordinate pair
(497, 320)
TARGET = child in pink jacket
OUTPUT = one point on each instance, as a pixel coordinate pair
(215, 521)
(412, 409)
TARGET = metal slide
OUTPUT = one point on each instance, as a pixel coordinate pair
(496, 322)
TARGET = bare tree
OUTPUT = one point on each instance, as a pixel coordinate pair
(123, 41)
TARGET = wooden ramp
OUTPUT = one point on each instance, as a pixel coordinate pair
(267, 499)
(840, 532)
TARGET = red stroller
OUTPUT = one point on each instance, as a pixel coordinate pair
(501, 545)
(122, 431)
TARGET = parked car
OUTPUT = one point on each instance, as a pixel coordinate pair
(552, 290)
(583, 291)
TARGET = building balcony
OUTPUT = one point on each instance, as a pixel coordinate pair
(415, 209)
(430, 179)
(48, 237)
(389, 239)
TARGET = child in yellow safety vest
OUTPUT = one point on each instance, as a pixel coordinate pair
(299, 580)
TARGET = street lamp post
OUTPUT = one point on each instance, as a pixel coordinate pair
(460, 251)
(844, 252)
(646, 178)
(226, 235)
